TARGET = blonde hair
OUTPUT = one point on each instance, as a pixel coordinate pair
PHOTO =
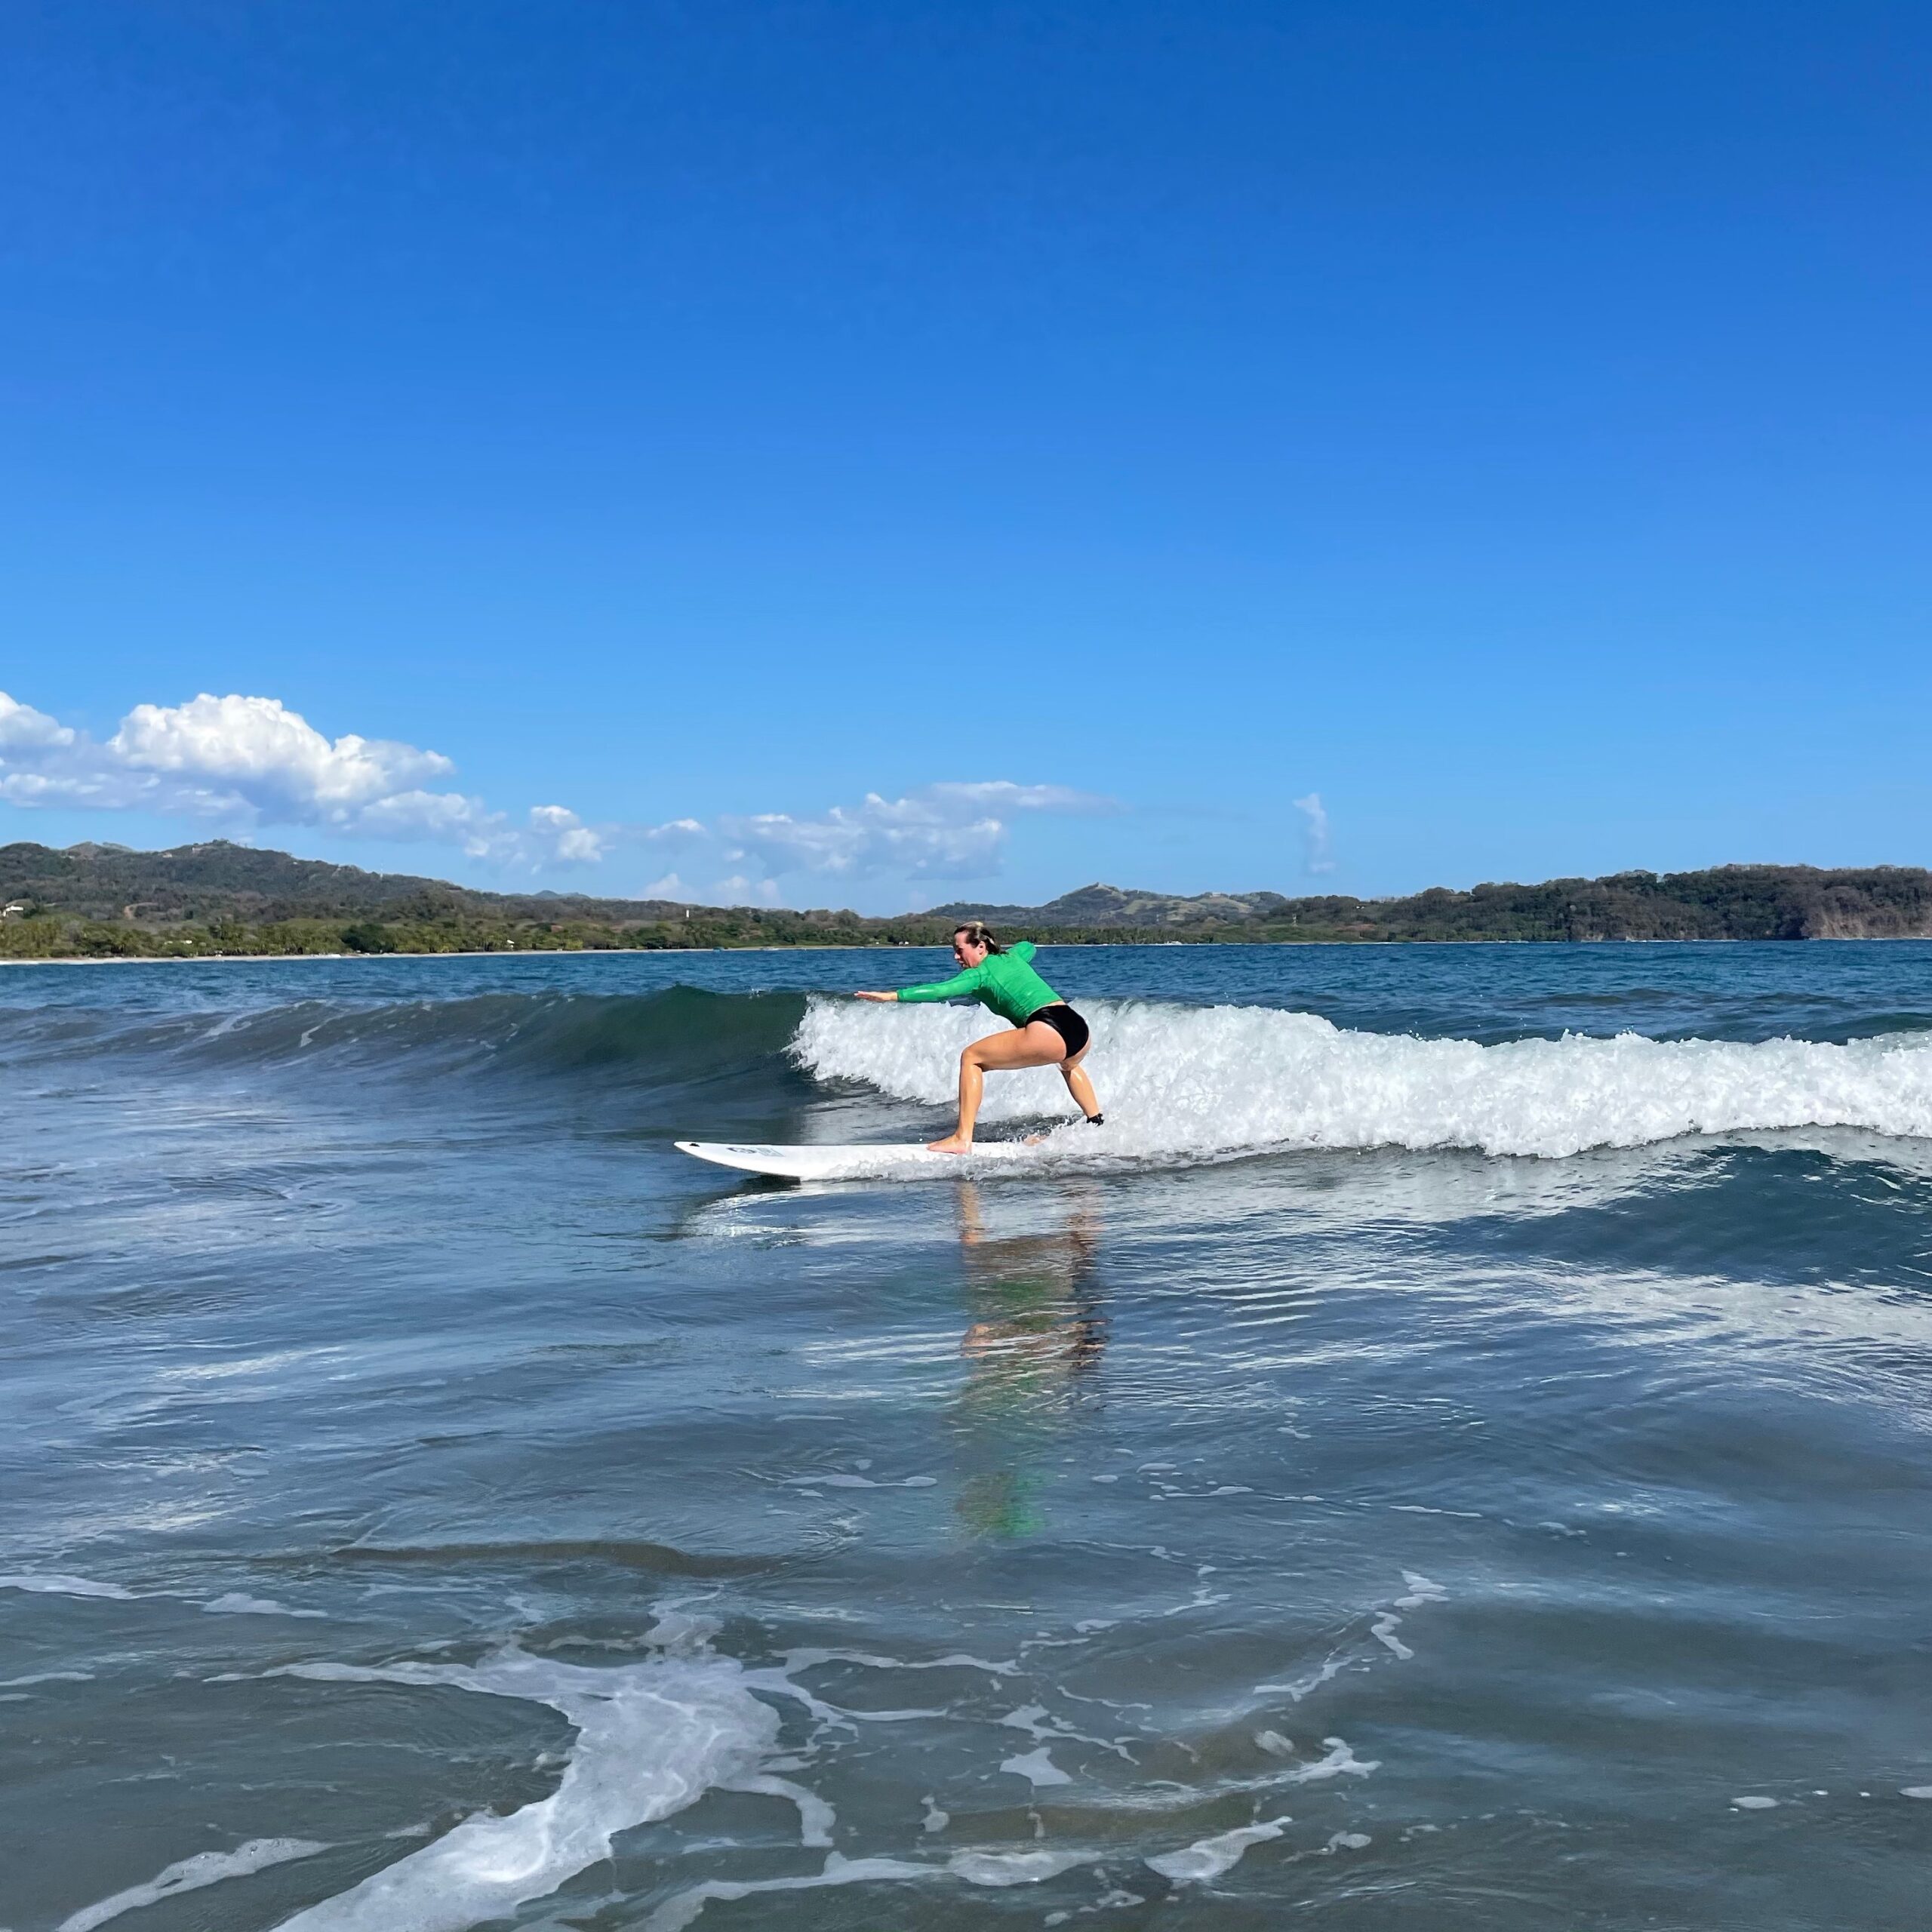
(978, 933)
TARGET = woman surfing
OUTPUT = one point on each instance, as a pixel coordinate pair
(1047, 1032)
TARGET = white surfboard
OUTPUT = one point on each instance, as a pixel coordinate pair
(888, 1160)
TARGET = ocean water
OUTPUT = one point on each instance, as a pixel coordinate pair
(1452, 1452)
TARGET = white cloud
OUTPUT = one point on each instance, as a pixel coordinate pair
(951, 830)
(244, 764)
(438, 817)
(575, 842)
(1318, 847)
(24, 729)
(254, 755)
(1001, 794)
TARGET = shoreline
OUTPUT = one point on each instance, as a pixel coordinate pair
(1066, 946)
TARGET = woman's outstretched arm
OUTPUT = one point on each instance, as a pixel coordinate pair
(962, 986)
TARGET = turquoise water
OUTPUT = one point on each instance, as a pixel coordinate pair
(1452, 1450)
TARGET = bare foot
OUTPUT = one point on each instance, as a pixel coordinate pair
(951, 1144)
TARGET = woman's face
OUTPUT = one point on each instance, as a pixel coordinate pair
(965, 952)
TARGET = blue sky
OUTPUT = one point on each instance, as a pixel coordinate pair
(1084, 431)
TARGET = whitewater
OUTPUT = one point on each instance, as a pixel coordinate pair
(1182, 1081)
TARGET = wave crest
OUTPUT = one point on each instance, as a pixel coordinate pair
(1178, 1081)
(677, 1032)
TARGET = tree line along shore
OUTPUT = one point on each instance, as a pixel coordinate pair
(217, 899)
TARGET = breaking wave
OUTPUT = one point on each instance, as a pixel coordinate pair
(1206, 1082)
(1177, 1082)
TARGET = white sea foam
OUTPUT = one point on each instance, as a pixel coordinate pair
(995, 1869)
(843, 1481)
(1014, 1868)
(1196, 1082)
(1421, 1590)
(1329, 1668)
(205, 1867)
(1040, 1724)
(804, 1657)
(237, 1603)
(1208, 1858)
(815, 1817)
(1337, 1761)
(652, 1738)
(42, 1583)
(679, 1911)
(1037, 1767)
(1383, 1631)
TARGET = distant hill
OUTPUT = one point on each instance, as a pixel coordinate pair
(97, 900)
(1108, 905)
(103, 900)
(221, 879)
(1728, 902)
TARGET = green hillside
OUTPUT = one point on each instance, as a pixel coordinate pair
(106, 901)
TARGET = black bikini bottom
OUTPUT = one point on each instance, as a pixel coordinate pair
(1066, 1023)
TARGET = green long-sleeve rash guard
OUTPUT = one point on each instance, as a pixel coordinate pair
(1003, 981)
